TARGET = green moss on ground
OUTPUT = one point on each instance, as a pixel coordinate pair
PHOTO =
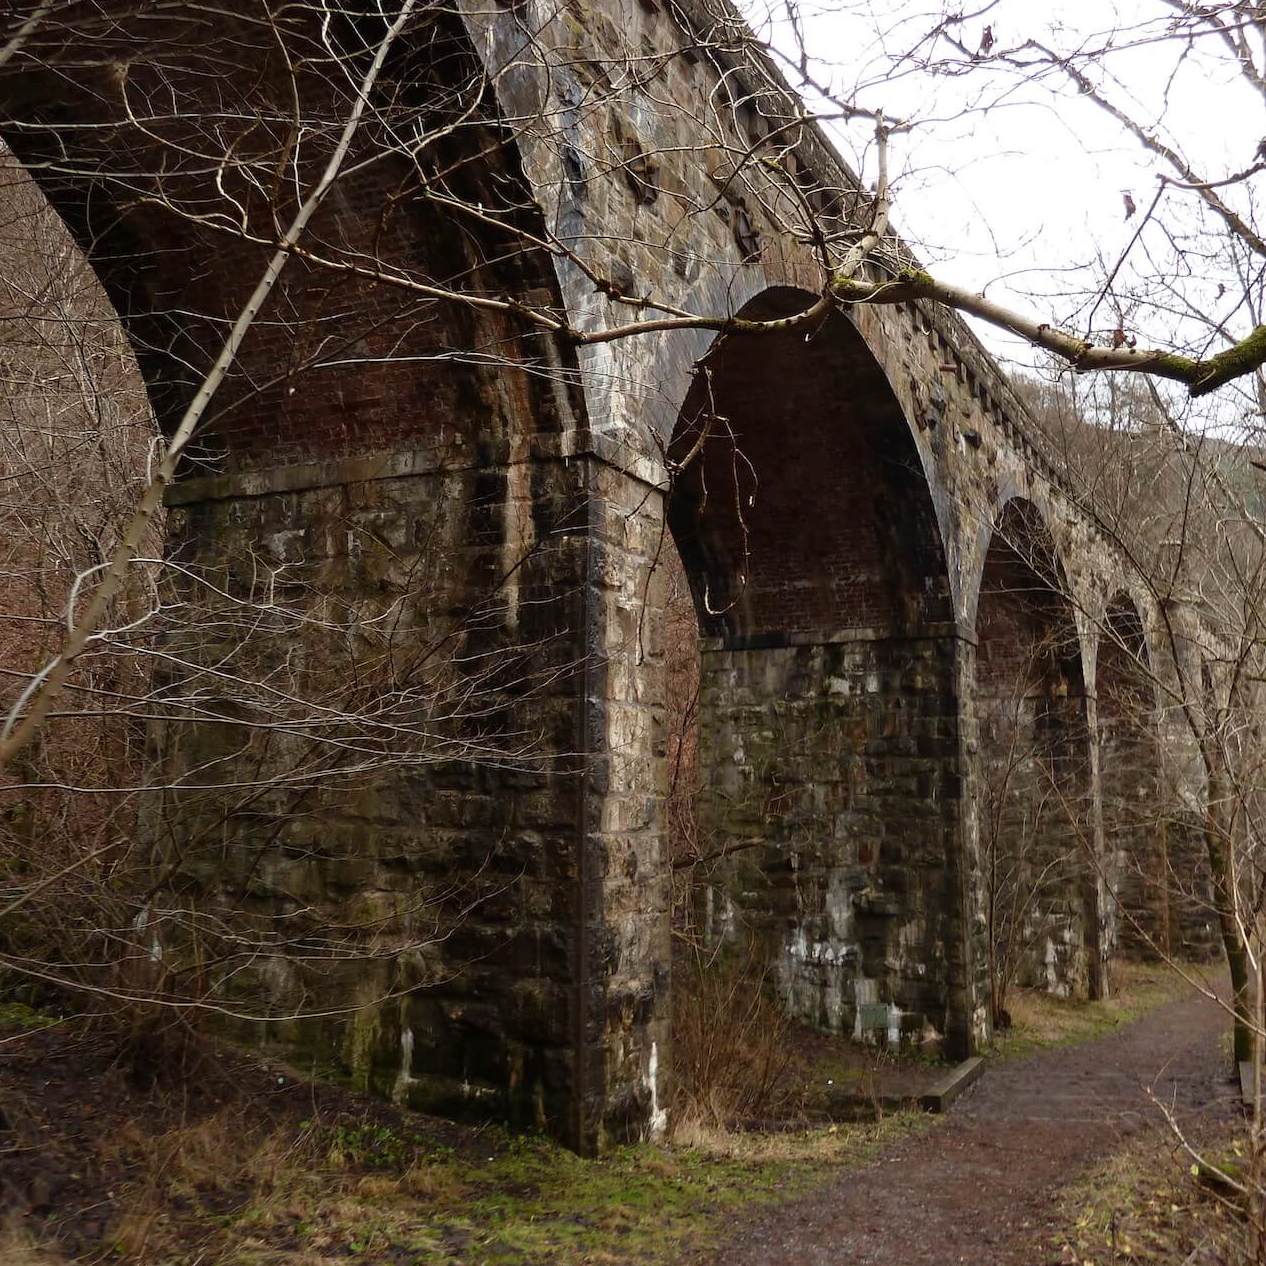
(378, 1193)
(18, 1016)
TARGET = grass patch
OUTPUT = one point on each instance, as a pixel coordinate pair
(1143, 1205)
(18, 1248)
(242, 1163)
(366, 1182)
(529, 1201)
(18, 1016)
(1041, 1020)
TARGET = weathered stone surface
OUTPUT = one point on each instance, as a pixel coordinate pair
(502, 915)
(842, 829)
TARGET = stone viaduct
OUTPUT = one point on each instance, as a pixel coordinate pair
(880, 554)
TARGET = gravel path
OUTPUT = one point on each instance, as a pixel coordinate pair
(981, 1187)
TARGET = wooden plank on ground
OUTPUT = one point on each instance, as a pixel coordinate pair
(1246, 1082)
(943, 1093)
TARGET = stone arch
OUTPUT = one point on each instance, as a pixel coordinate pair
(1036, 814)
(1034, 507)
(828, 701)
(799, 502)
(150, 221)
(366, 478)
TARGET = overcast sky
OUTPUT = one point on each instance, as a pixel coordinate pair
(1016, 187)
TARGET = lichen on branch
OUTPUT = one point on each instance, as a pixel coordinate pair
(1200, 375)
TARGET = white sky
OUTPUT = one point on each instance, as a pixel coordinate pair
(1027, 185)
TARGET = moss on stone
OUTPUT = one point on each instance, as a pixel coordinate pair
(18, 1015)
(359, 1045)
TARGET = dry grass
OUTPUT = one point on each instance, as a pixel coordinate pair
(835, 1144)
(731, 1043)
(529, 1202)
(1040, 1020)
(18, 1248)
(330, 1179)
(1144, 1206)
(210, 1165)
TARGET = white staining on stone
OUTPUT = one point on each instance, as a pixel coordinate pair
(140, 923)
(865, 994)
(657, 1121)
(518, 533)
(720, 915)
(894, 1026)
(404, 1078)
(1057, 964)
(285, 546)
(816, 968)
(839, 908)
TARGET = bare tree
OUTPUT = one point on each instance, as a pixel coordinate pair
(279, 149)
(1034, 854)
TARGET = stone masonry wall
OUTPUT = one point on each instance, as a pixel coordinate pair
(1035, 768)
(374, 462)
(842, 699)
(449, 883)
(486, 915)
(1134, 812)
(833, 781)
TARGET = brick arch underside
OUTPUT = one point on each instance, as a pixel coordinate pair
(803, 510)
(336, 364)
(1035, 806)
(352, 448)
(828, 707)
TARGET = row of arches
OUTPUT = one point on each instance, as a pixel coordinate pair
(911, 806)
(847, 717)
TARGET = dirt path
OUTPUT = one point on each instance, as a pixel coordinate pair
(980, 1188)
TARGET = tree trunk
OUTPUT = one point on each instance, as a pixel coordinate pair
(1225, 899)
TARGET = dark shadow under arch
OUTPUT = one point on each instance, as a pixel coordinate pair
(336, 365)
(828, 705)
(1035, 805)
(799, 503)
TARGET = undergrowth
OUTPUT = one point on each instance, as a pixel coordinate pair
(383, 1194)
(731, 1050)
(1144, 1205)
(21, 1018)
(328, 1177)
(365, 1182)
(1041, 1020)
